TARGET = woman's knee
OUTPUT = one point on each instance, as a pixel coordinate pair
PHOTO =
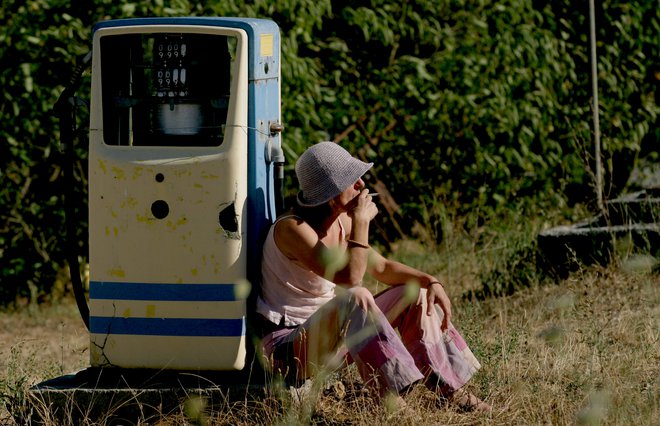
(362, 297)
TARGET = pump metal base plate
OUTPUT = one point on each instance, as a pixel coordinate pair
(127, 396)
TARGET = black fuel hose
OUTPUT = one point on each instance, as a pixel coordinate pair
(65, 110)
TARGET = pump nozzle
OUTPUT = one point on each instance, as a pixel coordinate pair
(275, 155)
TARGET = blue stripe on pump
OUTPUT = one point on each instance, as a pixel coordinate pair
(168, 326)
(163, 292)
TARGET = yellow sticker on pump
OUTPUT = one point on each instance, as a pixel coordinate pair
(266, 45)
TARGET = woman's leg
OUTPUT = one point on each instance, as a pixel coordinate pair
(341, 326)
(444, 358)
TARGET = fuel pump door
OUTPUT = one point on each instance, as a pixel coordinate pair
(168, 190)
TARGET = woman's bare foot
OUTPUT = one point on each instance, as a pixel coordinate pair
(397, 407)
(468, 402)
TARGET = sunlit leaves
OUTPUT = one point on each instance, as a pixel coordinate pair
(462, 105)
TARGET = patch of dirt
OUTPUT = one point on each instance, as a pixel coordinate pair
(40, 341)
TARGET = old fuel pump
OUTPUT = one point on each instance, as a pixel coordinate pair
(184, 151)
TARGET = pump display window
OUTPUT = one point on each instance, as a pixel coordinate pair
(166, 89)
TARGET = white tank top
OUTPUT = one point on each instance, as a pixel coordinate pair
(288, 290)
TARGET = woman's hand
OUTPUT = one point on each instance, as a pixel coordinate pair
(435, 294)
(364, 299)
(362, 207)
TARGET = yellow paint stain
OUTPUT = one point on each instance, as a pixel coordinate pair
(181, 221)
(119, 173)
(184, 172)
(127, 313)
(128, 202)
(198, 185)
(207, 175)
(194, 272)
(142, 218)
(107, 231)
(114, 214)
(115, 230)
(137, 172)
(102, 166)
(151, 311)
(117, 272)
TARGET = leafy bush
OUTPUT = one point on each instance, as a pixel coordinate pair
(464, 106)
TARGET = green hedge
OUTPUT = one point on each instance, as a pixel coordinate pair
(463, 105)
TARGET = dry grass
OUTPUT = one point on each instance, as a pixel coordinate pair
(582, 351)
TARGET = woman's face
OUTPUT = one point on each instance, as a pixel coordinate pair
(343, 200)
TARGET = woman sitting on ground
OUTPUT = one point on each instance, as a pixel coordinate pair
(317, 318)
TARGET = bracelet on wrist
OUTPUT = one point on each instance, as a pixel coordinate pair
(353, 243)
(434, 282)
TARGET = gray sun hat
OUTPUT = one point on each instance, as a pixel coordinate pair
(324, 171)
